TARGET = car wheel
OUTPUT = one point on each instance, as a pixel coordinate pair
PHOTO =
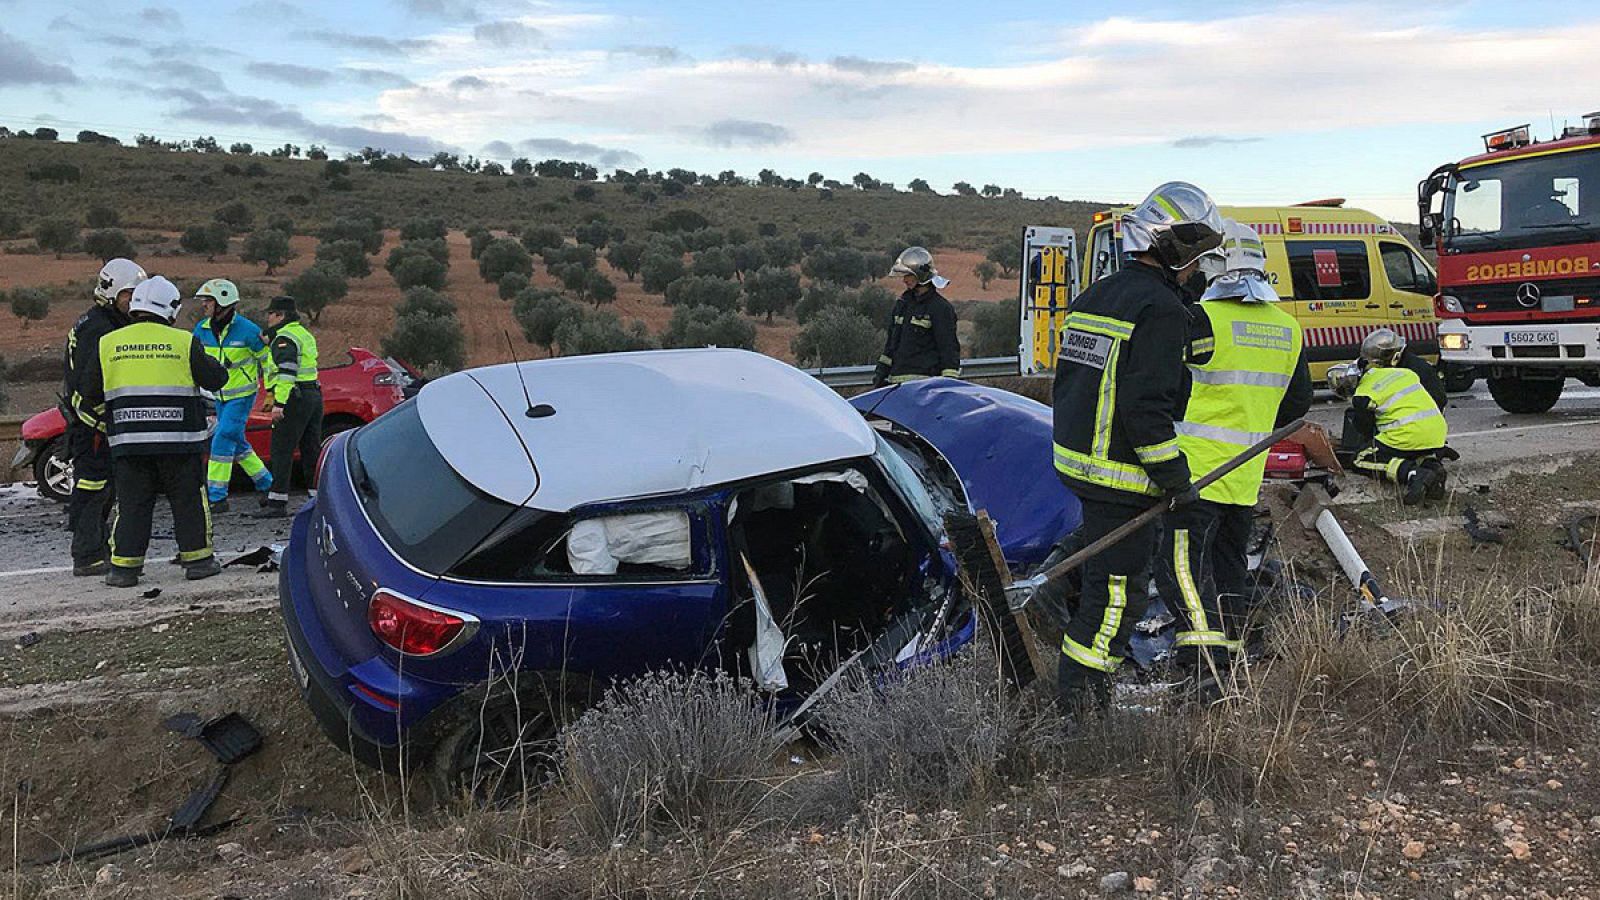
(504, 748)
(1525, 396)
(53, 471)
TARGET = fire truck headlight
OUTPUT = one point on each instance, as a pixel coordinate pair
(1453, 342)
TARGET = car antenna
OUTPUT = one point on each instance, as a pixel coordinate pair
(543, 410)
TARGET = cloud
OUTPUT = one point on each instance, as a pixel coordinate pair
(557, 147)
(182, 72)
(470, 83)
(378, 78)
(20, 65)
(651, 52)
(454, 10)
(259, 112)
(862, 66)
(270, 11)
(160, 17)
(745, 133)
(508, 33)
(371, 43)
(1200, 141)
(498, 149)
(299, 76)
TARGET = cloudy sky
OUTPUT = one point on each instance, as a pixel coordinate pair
(1262, 102)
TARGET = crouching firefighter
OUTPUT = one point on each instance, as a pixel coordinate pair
(1248, 376)
(149, 375)
(236, 342)
(1393, 423)
(1117, 396)
(90, 503)
(295, 402)
(922, 328)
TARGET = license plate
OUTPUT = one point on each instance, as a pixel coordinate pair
(300, 673)
(1524, 338)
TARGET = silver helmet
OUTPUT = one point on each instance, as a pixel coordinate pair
(1343, 378)
(915, 261)
(1177, 223)
(1382, 348)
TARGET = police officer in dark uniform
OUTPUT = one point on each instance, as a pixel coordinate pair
(149, 376)
(87, 448)
(1117, 395)
(294, 402)
(922, 329)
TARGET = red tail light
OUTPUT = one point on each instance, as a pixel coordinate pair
(415, 628)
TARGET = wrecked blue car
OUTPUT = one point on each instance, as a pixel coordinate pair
(481, 562)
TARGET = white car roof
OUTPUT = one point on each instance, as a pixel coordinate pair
(636, 424)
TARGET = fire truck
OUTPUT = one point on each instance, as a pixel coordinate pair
(1517, 230)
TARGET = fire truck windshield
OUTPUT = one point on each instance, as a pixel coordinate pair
(1534, 201)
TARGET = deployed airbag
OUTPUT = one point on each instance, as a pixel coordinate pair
(598, 546)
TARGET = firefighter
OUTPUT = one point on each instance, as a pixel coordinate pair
(1248, 376)
(90, 503)
(149, 375)
(922, 329)
(1117, 397)
(1393, 423)
(295, 401)
(237, 343)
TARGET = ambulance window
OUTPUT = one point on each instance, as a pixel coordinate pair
(1406, 270)
(1104, 259)
(1329, 270)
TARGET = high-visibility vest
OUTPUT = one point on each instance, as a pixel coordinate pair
(1407, 417)
(242, 351)
(1235, 395)
(152, 402)
(303, 369)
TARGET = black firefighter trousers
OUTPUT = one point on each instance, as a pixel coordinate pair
(1202, 576)
(1113, 598)
(89, 505)
(299, 429)
(181, 478)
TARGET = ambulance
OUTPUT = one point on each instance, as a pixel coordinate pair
(1342, 273)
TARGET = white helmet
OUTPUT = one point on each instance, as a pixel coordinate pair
(1238, 268)
(157, 296)
(116, 276)
(1177, 223)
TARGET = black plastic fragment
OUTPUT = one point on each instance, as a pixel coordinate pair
(194, 809)
(186, 724)
(230, 738)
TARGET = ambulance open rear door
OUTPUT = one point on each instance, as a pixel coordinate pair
(1047, 285)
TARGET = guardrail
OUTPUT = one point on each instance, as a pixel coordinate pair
(857, 376)
(11, 427)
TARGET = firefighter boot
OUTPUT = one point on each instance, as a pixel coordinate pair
(1416, 484)
(204, 568)
(120, 576)
(1436, 484)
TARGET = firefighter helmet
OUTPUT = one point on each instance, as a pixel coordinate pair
(220, 290)
(1177, 223)
(1343, 379)
(1237, 269)
(116, 276)
(1382, 348)
(915, 261)
(156, 296)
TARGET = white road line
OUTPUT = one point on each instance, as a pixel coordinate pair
(1572, 424)
(46, 571)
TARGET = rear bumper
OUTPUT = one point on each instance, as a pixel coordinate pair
(1575, 346)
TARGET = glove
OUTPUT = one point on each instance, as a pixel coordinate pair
(1188, 495)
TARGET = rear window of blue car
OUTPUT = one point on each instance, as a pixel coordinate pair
(426, 513)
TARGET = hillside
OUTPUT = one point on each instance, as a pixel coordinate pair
(159, 190)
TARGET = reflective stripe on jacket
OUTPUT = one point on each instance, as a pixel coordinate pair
(1234, 395)
(152, 402)
(241, 349)
(1118, 388)
(294, 359)
(1407, 417)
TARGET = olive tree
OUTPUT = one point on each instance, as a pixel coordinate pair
(770, 291)
(541, 312)
(55, 235)
(426, 340)
(503, 255)
(706, 326)
(109, 243)
(348, 255)
(321, 284)
(657, 270)
(205, 240)
(698, 290)
(29, 305)
(271, 248)
(837, 337)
